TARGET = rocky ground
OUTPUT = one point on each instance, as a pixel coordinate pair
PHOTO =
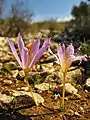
(16, 101)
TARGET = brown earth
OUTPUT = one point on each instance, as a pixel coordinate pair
(25, 109)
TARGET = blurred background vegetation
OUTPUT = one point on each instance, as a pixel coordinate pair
(20, 19)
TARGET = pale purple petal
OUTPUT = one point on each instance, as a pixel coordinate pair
(33, 50)
(66, 56)
(24, 57)
(20, 46)
(69, 61)
(69, 55)
(49, 49)
(83, 58)
(35, 46)
(14, 52)
(70, 50)
(39, 53)
(63, 47)
(59, 49)
(60, 55)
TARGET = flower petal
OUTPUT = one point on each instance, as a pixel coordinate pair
(60, 53)
(35, 46)
(66, 56)
(20, 45)
(39, 53)
(14, 51)
(24, 57)
(49, 49)
(21, 49)
(63, 47)
(70, 50)
(69, 56)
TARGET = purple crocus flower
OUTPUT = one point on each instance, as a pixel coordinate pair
(28, 58)
(67, 56)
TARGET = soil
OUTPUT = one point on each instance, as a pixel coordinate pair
(25, 109)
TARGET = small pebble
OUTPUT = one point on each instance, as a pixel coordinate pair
(81, 109)
(77, 114)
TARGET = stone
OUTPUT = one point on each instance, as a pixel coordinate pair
(70, 112)
(23, 88)
(53, 78)
(5, 98)
(73, 75)
(77, 114)
(77, 96)
(14, 73)
(45, 86)
(88, 82)
(7, 82)
(87, 85)
(69, 89)
(37, 97)
(48, 67)
(81, 109)
(6, 57)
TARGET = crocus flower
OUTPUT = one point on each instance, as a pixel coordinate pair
(28, 58)
(65, 56)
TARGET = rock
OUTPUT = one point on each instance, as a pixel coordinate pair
(56, 96)
(37, 97)
(74, 75)
(6, 58)
(53, 78)
(81, 109)
(23, 88)
(70, 112)
(48, 67)
(77, 96)
(21, 73)
(7, 82)
(77, 114)
(14, 73)
(45, 86)
(87, 85)
(5, 98)
(69, 89)
(5, 49)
